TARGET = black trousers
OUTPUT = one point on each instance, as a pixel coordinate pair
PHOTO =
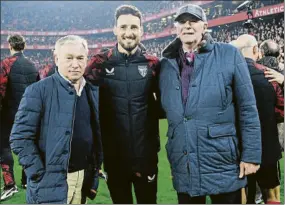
(7, 165)
(227, 198)
(120, 186)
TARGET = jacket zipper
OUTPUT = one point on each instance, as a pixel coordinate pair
(129, 103)
(70, 140)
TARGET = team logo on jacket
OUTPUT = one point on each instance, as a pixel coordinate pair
(110, 72)
(150, 179)
(142, 70)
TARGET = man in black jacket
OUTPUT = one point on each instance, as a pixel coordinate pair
(127, 77)
(16, 73)
(270, 105)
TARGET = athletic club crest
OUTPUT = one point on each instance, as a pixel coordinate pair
(142, 70)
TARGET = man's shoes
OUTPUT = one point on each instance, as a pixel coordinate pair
(259, 201)
(8, 192)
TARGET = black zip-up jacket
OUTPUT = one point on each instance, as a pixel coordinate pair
(129, 115)
(267, 100)
(16, 74)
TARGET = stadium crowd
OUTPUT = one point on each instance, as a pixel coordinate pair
(45, 13)
(272, 28)
(51, 17)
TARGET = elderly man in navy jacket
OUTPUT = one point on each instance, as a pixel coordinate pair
(214, 138)
(56, 133)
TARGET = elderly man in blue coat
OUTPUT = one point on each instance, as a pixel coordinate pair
(56, 132)
(214, 137)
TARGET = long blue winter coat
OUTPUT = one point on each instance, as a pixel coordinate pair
(219, 126)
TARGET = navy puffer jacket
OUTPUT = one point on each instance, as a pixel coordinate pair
(41, 137)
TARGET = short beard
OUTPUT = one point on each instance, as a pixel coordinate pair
(129, 49)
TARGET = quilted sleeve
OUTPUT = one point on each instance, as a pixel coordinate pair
(25, 131)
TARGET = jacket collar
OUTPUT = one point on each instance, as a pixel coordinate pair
(141, 50)
(67, 84)
(254, 68)
(269, 61)
(172, 50)
(82, 83)
(20, 53)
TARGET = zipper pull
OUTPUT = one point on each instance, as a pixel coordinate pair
(127, 62)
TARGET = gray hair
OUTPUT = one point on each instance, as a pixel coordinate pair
(270, 48)
(70, 39)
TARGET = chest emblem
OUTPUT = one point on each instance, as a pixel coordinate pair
(142, 70)
(110, 72)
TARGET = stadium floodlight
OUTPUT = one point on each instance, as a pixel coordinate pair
(244, 5)
(249, 23)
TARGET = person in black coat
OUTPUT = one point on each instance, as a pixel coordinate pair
(270, 105)
(128, 79)
(16, 73)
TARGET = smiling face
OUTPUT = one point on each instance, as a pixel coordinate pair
(128, 31)
(190, 29)
(71, 60)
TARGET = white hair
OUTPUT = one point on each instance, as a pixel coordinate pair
(70, 39)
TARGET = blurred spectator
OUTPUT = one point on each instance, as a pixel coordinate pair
(270, 51)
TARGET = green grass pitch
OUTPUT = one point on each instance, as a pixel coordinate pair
(166, 193)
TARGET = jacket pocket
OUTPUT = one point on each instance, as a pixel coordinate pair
(222, 139)
(222, 130)
(34, 186)
(222, 90)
